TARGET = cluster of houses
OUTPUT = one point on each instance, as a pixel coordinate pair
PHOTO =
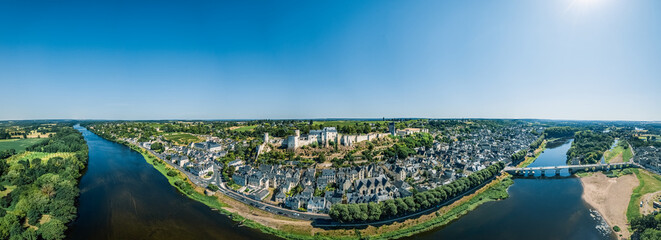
(197, 158)
(486, 145)
(319, 189)
(649, 157)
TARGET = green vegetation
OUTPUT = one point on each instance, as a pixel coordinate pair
(157, 147)
(519, 156)
(182, 138)
(560, 132)
(589, 146)
(420, 201)
(648, 183)
(405, 146)
(618, 172)
(616, 228)
(537, 152)
(647, 227)
(621, 148)
(42, 185)
(19, 144)
(583, 174)
(245, 128)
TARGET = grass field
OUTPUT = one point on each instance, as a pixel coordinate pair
(182, 138)
(245, 128)
(644, 137)
(42, 155)
(626, 154)
(649, 183)
(18, 144)
(6, 191)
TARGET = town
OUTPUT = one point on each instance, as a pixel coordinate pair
(378, 166)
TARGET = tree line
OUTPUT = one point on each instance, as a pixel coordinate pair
(560, 132)
(419, 201)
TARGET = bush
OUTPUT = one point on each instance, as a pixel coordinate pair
(213, 187)
(172, 173)
(616, 228)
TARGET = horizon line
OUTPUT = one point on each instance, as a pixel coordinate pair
(320, 119)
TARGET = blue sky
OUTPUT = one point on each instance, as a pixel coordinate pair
(556, 59)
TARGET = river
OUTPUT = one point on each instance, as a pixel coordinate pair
(123, 197)
(538, 208)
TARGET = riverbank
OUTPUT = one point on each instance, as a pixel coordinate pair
(610, 196)
(288, 228)
(536, 153)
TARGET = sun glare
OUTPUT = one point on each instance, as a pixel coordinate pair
(583, 5)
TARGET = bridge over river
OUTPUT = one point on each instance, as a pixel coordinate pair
(528, 171)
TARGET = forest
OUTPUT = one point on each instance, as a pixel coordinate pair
(560, 132)
(589, 146)
(419, 201)
(41, 193)
(647, 227)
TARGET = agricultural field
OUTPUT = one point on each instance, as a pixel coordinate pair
(243, 128)
(182, 138)
(18, 144)
(650, 136)
(44, 156)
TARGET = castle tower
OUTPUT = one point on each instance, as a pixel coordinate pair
(266, 137)
(392, 129)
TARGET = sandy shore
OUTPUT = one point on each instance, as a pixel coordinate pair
(610, 196)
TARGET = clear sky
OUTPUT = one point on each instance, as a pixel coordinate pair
(556, 59)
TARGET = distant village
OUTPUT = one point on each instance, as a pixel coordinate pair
(316, 188)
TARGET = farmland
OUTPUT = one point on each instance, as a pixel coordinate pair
(18, 144)
(182, 138)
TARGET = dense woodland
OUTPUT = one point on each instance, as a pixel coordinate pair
(419, 201)
(560, 132)
(589, 146)
(44, 191)
(647, 227)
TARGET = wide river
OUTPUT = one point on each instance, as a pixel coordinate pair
(123, 197)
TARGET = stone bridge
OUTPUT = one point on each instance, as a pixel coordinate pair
(527, 171)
